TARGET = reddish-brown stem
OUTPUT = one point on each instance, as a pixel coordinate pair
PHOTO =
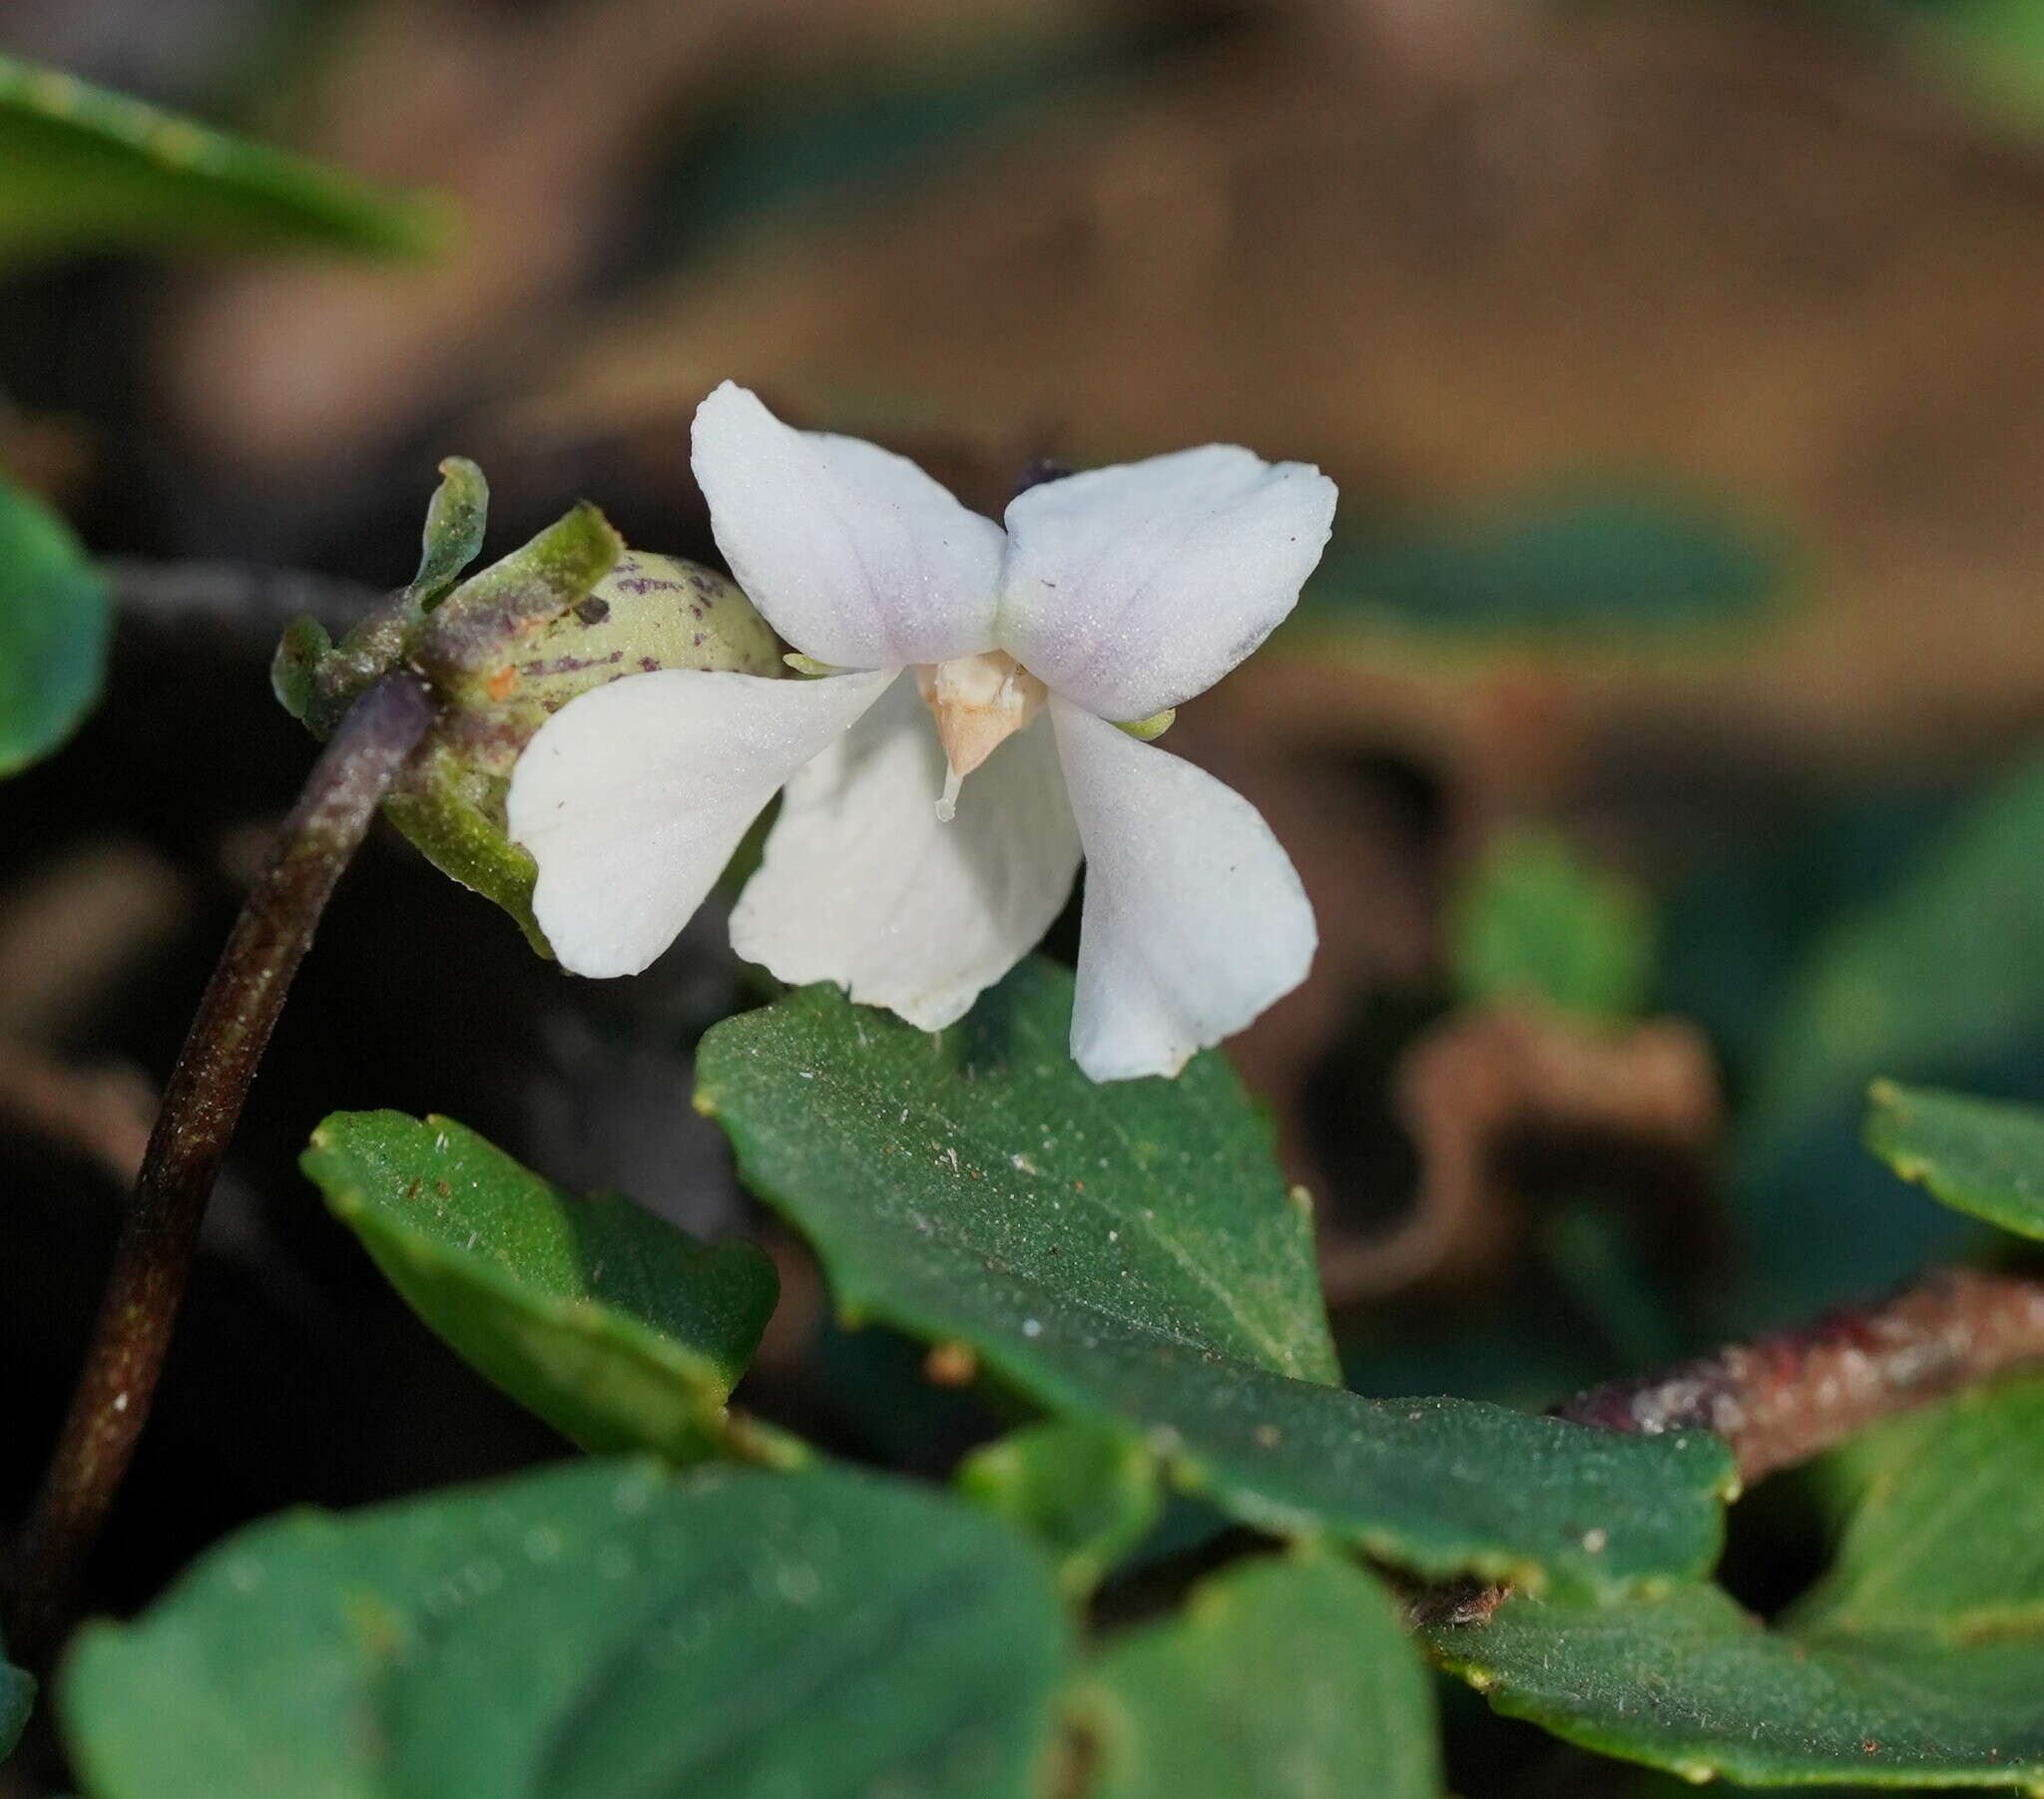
(1791, 1394)
(201, 1105)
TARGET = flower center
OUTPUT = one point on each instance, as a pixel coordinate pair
(977, 701)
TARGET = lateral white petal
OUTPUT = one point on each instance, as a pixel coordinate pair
(633, 797)
(1132, 589)
(862, 886)
(853, 554)
(1194, 919)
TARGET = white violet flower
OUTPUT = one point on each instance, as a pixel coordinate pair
(913, 866)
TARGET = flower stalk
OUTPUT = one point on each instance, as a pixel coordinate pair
(201, 1105)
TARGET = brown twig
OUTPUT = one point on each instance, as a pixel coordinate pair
(248, 596)
(1791, 1393)
(71, 927)
(1488, 1081)
(1786, 1396)
(103, 1113)
(202, 1104)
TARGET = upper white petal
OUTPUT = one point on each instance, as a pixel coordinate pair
(1132, 589)
(1194, 919)
(853, 554)
(862, 886)
(633, 797)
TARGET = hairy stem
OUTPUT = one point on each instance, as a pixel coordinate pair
(201, 1105)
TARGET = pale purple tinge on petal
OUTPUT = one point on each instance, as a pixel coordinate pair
(1194, 919)
(862, 885)
(632, 798)
(1128, 590)
(854, 555)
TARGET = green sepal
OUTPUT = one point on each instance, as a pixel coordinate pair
(316, 680)
(503, 651)
(1148, 731)
(453, 815)
(456, 518)
(295, 669)
(472, 637)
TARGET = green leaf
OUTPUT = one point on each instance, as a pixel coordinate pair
(1128, 1253)
(1945, 1535)
(1532, 920)
(591, 1631)
(1088, 1495)
(1281, 1679)
(1585, 562)
(1133, 1201)
(1984, 1156)
(85, 168)
(53, 631)
(1917, 1659)
(1691, 1683)
(17, 1696)
(615, 1327)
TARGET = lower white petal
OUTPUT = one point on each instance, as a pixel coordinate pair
(863, 886)
(632, 798)
(1194, 920)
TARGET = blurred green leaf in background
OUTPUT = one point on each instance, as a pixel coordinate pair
(1933, 974)
(54, 622)
(1583, 564)
(1531, 919)
(17, 1696)
(82, 167)
(1283, 1679)
(1983, 1157)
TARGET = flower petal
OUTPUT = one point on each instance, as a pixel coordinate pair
(633, 797)
(853, 554)
(1129, 589)
(862, 886)
(1194, 920)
